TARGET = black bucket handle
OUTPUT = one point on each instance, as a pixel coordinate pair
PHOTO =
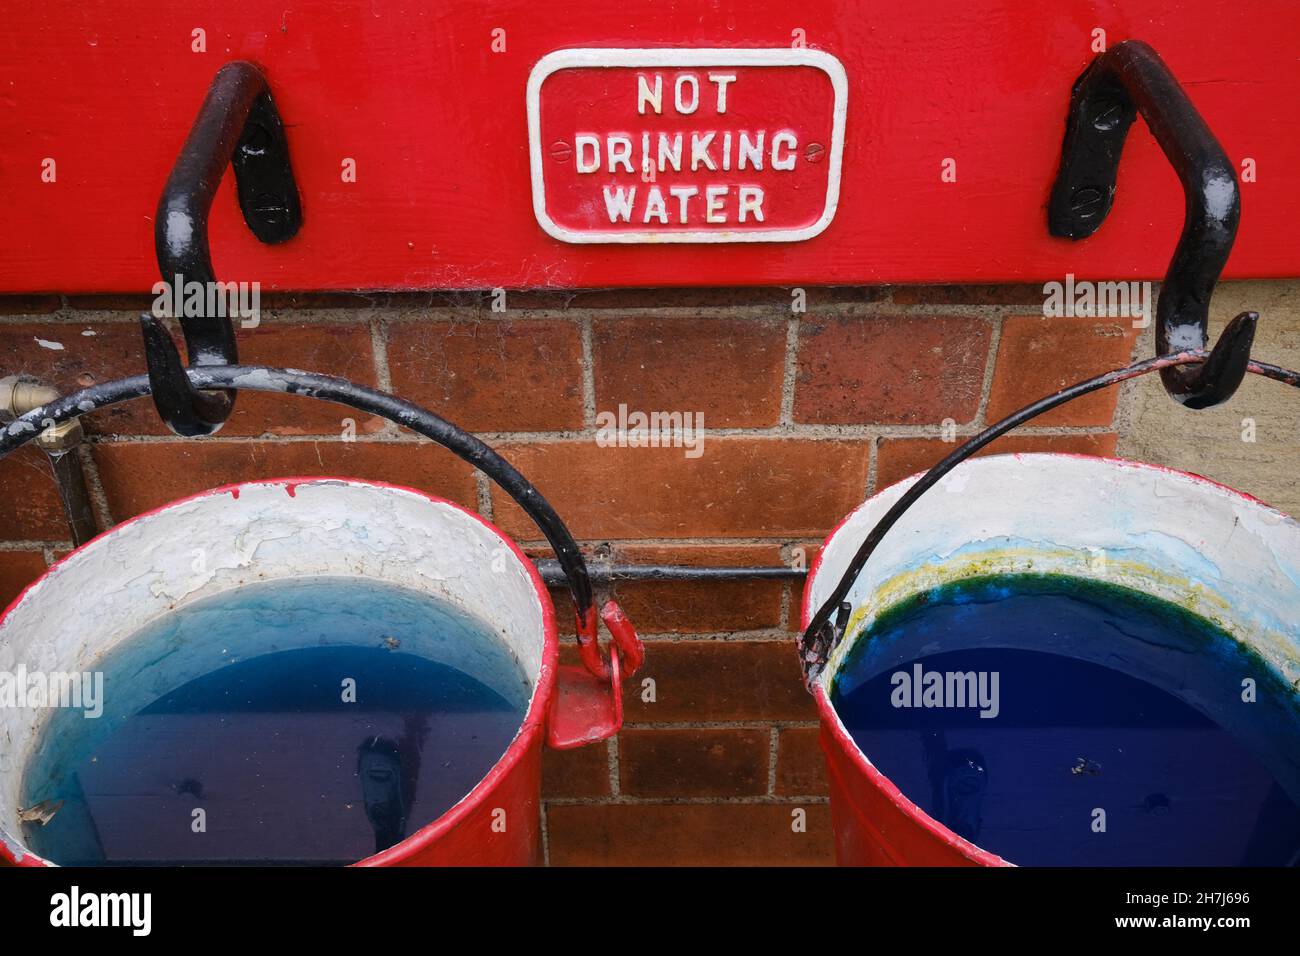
(827, 626)
(344, 392)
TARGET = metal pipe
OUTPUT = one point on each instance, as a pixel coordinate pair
(73, 493)
(20, 394)
(553, 574)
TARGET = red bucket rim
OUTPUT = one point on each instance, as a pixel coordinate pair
(830, 718)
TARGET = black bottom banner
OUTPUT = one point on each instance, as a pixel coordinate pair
(339, 906)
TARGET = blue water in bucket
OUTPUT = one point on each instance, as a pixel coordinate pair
(365, 712)
(1056, 721)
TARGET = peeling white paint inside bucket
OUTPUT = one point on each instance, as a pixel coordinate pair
(404, 589)
(1173, 599)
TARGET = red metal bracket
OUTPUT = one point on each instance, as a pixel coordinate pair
(588, 704)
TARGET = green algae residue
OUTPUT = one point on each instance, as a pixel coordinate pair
(1201, 634)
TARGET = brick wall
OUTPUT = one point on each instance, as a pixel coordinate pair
(806, 414)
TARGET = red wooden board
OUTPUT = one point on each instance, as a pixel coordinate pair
(436, 122)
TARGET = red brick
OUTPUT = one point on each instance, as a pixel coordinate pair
(507, 375)
(726, 834)
(730, 762)
(338, 299)
(114, 350)
(29, 304)
(1038, 356)
(683, 297)
(890, 369)
(581, 772)
(800, 763)
(899, 458)
(136, 302)
(696, 607)
(30, 508)
(696, 681)
(17, 570)
(844, 295)
(730, 370)
(739, 487)
(343, 350)
(967, 295)
(139, 476)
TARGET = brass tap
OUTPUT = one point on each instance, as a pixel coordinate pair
(19, 394)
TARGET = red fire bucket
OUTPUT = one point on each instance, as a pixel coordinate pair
(1178, 537)
(319, 527)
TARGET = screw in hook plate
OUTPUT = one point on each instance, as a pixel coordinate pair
(271, 208)
(1107, 116)
(255, 140)
(1086, 202)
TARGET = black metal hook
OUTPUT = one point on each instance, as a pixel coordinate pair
(1127, 79)
(238, 125)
